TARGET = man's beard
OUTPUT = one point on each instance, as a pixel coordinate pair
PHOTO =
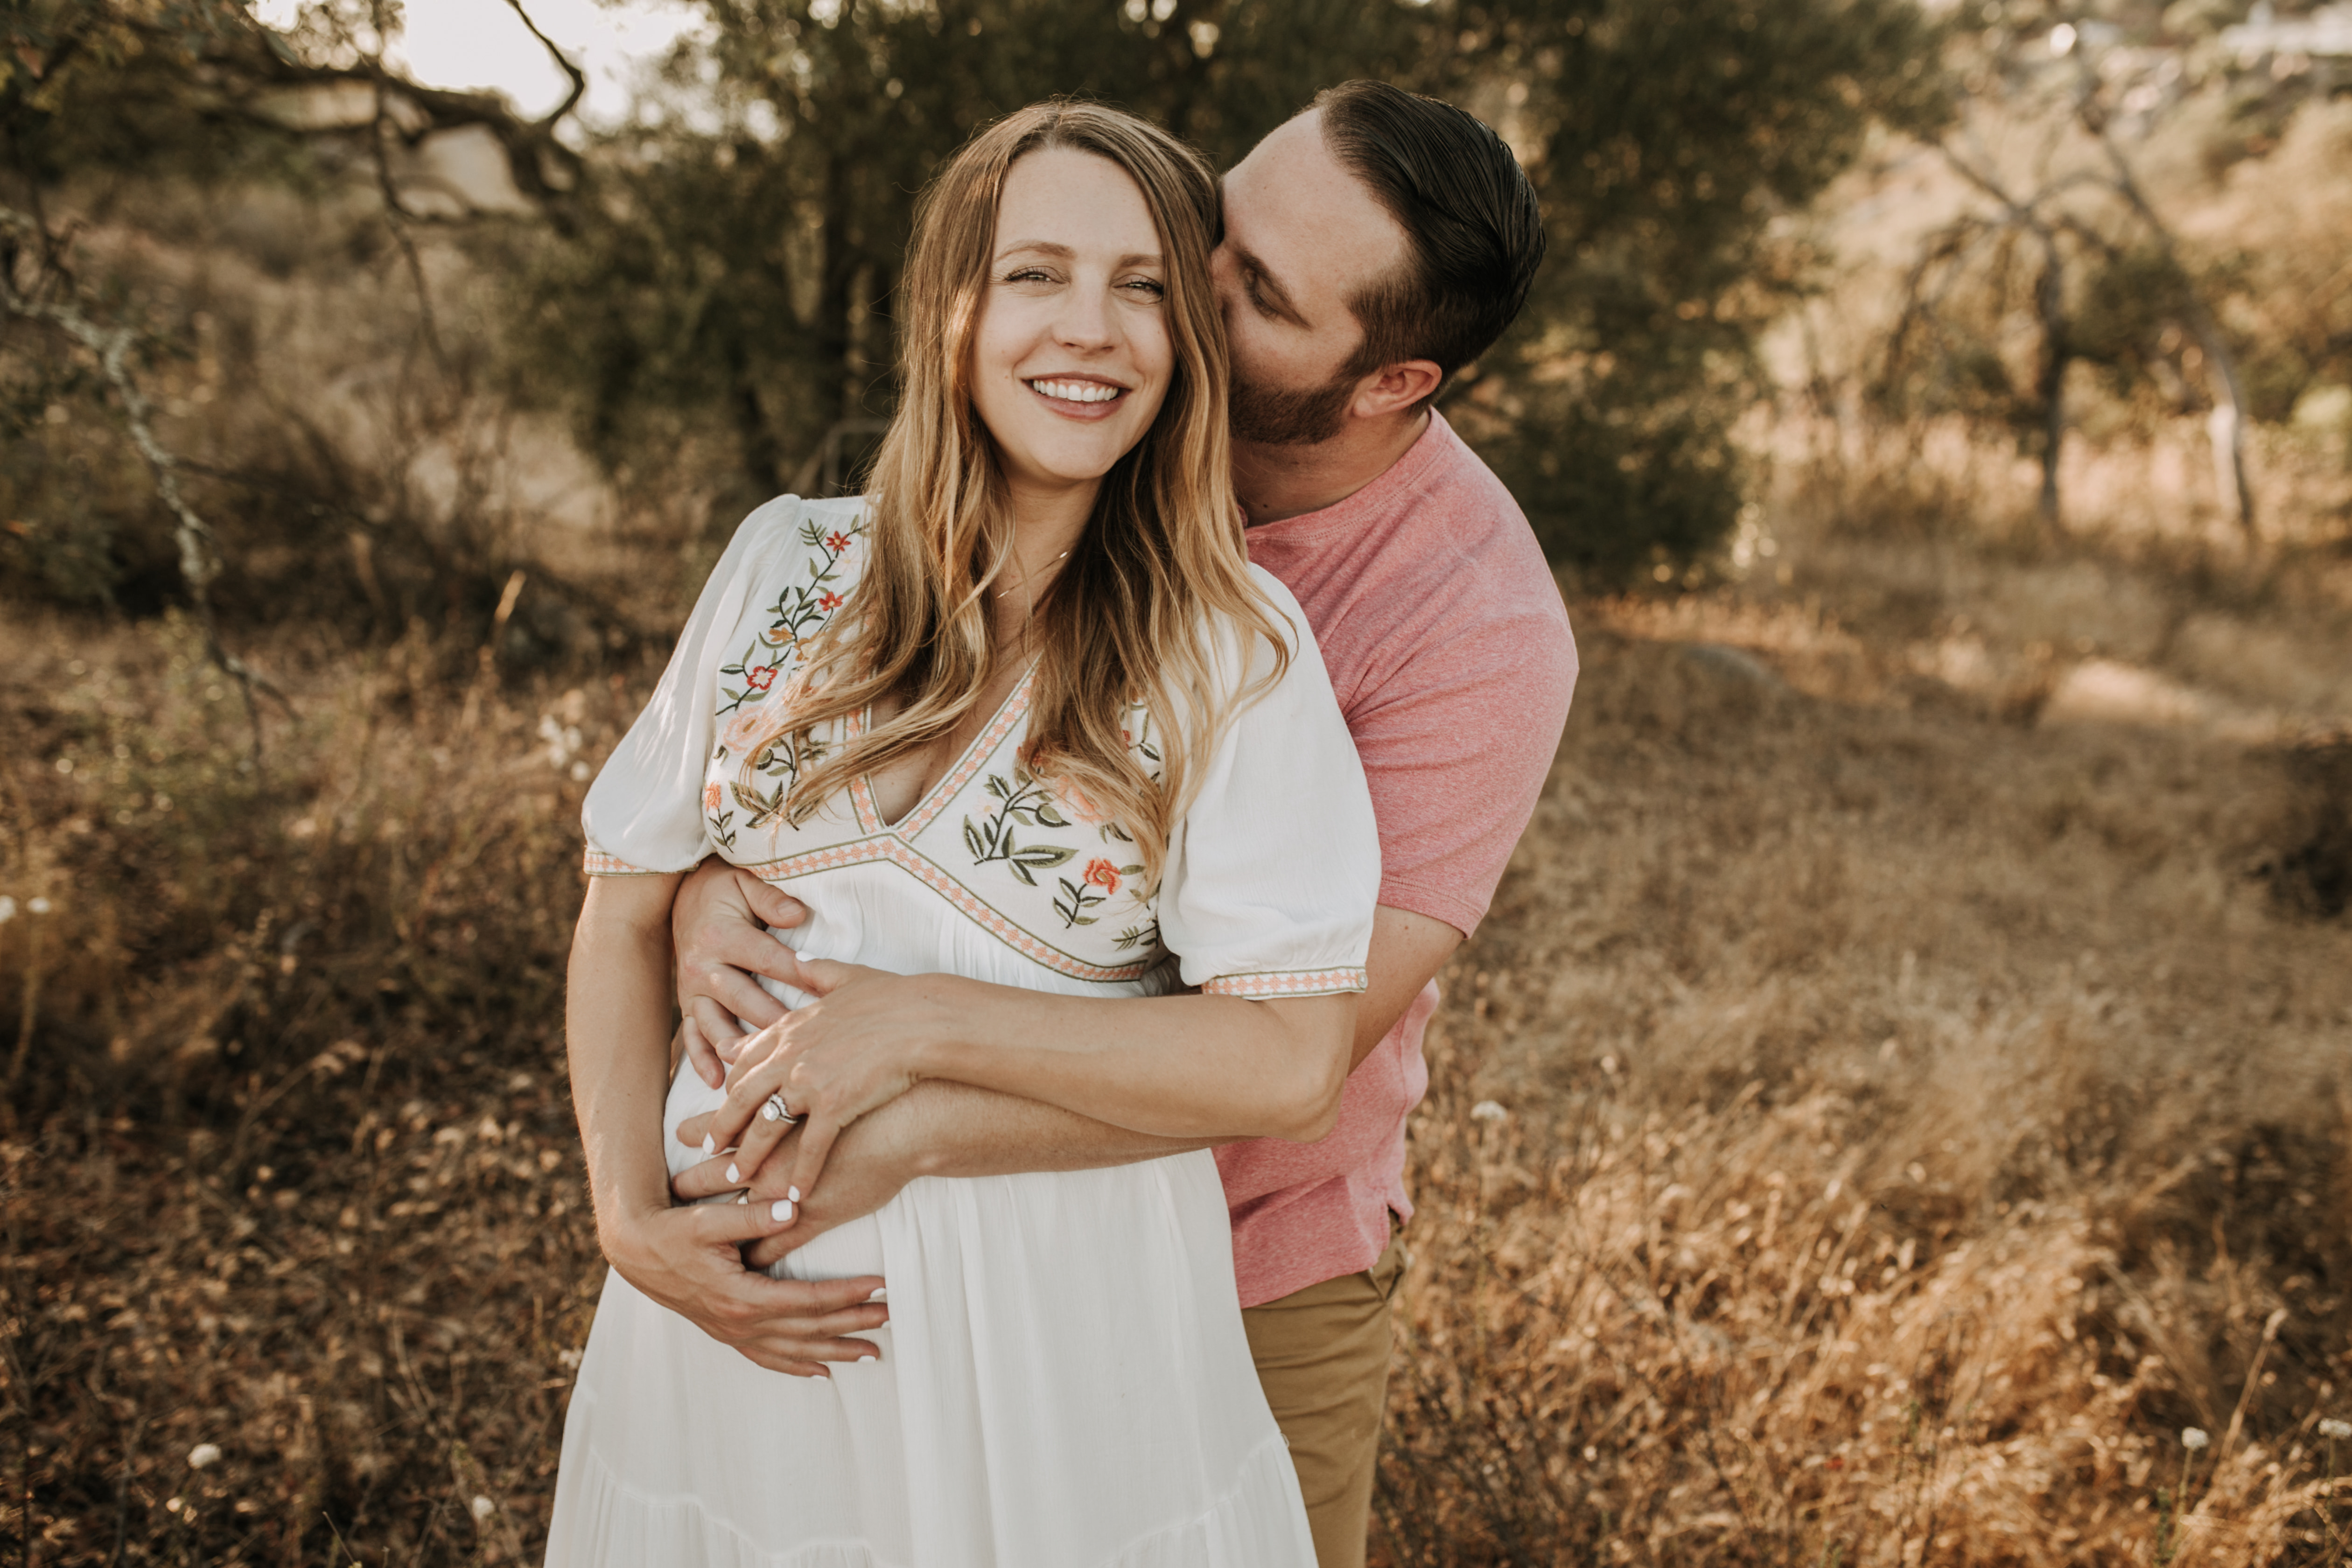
(1284, 416)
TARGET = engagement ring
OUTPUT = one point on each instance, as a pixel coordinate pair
(775, 1110)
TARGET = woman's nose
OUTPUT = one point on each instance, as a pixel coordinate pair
(1085, 321)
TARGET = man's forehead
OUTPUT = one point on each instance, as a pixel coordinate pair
(1305, 216)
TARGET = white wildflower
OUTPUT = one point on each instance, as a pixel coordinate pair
(37, 906)
(483, 1507)
(1488, 1110)
(2193, 1439)
(203, 1454)
(2335, 1431)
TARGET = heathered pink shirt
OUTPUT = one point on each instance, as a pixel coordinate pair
(1451, 654)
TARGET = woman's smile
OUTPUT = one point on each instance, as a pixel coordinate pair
(1077, 396)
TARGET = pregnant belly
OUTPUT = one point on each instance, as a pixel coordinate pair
(839, 1254)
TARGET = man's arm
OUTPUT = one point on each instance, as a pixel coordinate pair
(948, 1129)
(719, 924)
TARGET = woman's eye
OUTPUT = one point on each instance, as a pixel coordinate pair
(1152, 287)
(1027, 275)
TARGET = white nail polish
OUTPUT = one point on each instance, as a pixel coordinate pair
(881, 1295)
(870, 1355)
(709, 1145)
(781, 1209)
(793, 1193)
(734, 1174)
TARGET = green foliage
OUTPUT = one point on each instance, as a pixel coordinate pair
(741, 277)
(123, 84)
(1668, 138)
(739, 280)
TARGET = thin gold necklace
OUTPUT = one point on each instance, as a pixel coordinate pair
(1031, 613)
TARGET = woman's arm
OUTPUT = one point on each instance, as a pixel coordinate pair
(688, 1260)
(1175, 1066)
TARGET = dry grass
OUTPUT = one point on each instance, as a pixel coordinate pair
(1918, 1106)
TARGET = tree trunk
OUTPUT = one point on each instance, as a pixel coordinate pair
(2050, 297)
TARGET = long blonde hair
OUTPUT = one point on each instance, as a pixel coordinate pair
(1132, 618)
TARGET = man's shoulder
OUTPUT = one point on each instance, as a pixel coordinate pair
(1457, 524)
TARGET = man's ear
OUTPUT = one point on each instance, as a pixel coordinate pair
(1395, 388)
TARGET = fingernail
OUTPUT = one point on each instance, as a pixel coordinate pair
(871, 1355)
(793, 1193)
(782, 1209)
(709, 1145)
(735, 1175)
(881, 1295)
(742, 1197)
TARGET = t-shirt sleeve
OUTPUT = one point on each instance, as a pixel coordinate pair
(643, 816)
(1274, 872)
(1457, 750)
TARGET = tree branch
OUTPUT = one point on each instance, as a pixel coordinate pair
(579, 78)
(199, 547)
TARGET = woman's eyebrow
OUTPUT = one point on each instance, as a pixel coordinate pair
(1061, 252)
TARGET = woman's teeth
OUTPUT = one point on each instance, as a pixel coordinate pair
(1077, 390)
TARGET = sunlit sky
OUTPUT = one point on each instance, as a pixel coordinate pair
(481, 44)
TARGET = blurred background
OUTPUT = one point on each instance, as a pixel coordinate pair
(1900, 1107)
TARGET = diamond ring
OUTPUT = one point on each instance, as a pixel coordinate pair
(775, 1110)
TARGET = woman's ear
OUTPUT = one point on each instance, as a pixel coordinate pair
(1395, 387)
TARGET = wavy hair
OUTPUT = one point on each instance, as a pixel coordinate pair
(1133, 618)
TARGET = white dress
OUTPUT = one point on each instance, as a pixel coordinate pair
(1064, 1381)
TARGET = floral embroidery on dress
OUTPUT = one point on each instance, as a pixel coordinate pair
(753, 706)
(1028, 802)
(1092, 889)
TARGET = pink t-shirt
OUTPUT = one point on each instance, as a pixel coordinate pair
(1450, 651)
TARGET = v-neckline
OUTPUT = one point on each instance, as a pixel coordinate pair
(944, 788)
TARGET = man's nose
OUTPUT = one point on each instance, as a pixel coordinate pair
(1224, 277)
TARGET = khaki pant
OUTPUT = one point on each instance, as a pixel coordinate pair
(1323, 1356)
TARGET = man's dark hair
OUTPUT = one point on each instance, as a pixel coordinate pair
(1468, 214)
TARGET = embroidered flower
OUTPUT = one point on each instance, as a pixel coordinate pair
(759, 678)
(829, 600)
(836, 541)
(747, 728)
(711, 797)
(1104, 875)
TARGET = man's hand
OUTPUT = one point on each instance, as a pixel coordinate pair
(720, 942)
(868, 1166)
(690, 1260)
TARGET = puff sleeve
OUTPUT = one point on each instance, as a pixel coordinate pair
(1274, 872)
(644, 814)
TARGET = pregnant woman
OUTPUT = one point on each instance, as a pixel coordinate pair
(1022, 719)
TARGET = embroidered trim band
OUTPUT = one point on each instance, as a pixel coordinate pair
(596, 863)
(974, 758)
(1288, 983)
(889, 847)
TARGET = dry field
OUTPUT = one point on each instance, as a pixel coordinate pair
(1903, 1085)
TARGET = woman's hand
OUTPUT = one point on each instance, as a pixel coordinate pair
(858, 1044)
(690, 1260)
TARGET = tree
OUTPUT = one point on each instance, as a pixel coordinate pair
(1667, 141)
(747, 273)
